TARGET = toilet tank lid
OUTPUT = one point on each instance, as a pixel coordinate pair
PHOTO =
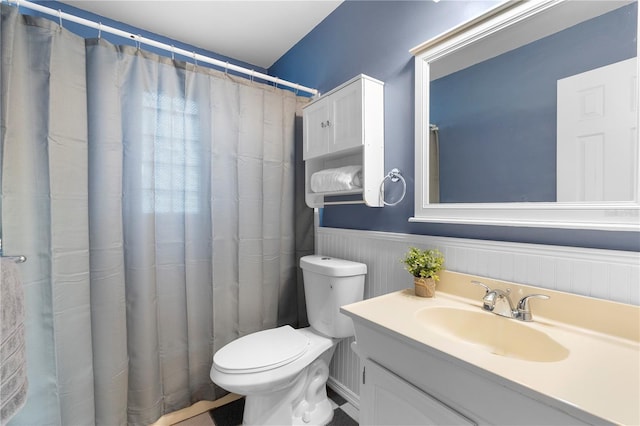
(332, 266)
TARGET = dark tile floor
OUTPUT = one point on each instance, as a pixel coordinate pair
(340, 416)
(231, 414)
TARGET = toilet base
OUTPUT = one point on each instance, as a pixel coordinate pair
(321, 415)
(303, 402)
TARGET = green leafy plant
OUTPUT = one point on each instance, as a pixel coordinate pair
(424, 263)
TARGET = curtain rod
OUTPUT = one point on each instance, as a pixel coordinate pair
(143, 40)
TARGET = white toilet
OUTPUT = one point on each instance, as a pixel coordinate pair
(283, 371)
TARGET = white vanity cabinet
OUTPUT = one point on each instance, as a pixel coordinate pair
(446, 355)
(386, 399)
(345, 127)
(428, 387)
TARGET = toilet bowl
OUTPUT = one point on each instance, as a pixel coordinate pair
(274, 391)
(283, 371)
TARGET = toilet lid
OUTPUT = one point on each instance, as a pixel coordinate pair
(261, 351)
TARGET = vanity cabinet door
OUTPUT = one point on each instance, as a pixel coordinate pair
(386, 399)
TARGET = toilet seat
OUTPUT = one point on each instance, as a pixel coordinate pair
(261, 351)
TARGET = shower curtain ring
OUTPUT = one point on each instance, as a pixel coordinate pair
(138, 44)
(60, 17)
(252, 72)
(195, 60)
(99, 30)
(226, 69)
(173, 54)
(276, 82)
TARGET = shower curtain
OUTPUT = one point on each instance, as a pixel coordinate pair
(155, 203)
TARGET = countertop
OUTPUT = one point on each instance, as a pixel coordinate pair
(600, 375)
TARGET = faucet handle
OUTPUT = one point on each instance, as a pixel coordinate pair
(486, 287)
(488, 301)
(524, 312)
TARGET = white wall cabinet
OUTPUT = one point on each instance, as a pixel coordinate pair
(386, 399)
(342, 128)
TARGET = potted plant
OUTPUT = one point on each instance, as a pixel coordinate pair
(424, 265)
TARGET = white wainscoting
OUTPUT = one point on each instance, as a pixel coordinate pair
(605, 274)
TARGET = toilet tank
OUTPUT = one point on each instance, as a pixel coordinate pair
(328, 284)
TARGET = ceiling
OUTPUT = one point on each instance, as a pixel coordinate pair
(258, 32)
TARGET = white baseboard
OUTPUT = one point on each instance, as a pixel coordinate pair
(351, 397)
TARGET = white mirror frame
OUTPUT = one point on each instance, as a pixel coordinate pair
(620, 216)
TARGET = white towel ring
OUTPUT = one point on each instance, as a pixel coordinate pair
(395, 176)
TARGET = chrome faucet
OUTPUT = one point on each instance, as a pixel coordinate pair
(498, 302)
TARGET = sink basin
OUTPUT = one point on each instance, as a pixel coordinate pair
(496, 334)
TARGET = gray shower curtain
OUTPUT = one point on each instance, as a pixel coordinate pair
(155, 203)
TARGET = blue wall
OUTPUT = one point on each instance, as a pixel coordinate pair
(492, 125)
(374, 38)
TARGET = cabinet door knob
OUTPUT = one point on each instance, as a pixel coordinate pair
(322, 124)
(328, 123)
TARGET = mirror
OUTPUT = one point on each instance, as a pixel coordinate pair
(528, 116)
